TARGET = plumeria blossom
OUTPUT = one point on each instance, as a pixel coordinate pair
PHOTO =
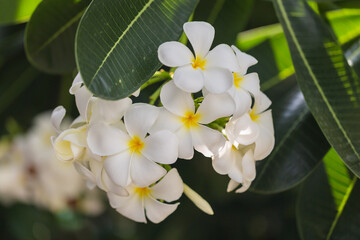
(255, 126)
(131, 155)
(146, 199)
(238, 163)
(244, 84)
(209, 69)
(180, 117)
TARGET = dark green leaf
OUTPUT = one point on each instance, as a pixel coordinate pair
(117, 42)
(227, 16)
(16, 11)
(50, 35)
(328, 202)
(330, 88)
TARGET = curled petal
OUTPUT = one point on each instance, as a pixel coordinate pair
(224, 160)
(84, 172)
(136, 93)
(157, 211)
(189, 79)
(105, 140)
(262, 102)
(139, 119)
(77, 136)
(201, 36)
(170, 188)
(82, 98)
(248, 166)
(57, 116)
(161, 147)
(245, 60)
(222, 56)
(78, 81)
(242, 101)
(266, 121)
(118, 168)
(232, 185)
(175, 100)
(242, 130)
(245, 186)
(264, 144)
(218, 80)
(251, 83)
(144, 171)
(207, 141)
(174, 54)
(131, 207)
(113, 187)
(215, 106)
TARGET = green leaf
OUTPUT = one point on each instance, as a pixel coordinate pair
(50, 35)
(227, 16)
(328, 202)
(330, 88)
(16, 11)
(117, 42)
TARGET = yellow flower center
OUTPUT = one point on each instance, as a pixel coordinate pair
(253, 116)
(135, 145)
(142, 191)
(198, 63)
(190, 119)
(237, 80)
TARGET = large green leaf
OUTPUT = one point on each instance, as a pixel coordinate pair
(50, 35)
(117, 42)
(328, 202)
(227, 16)
(16, 11)
(330, 88)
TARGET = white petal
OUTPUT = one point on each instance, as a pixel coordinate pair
(78, 81)
(82, 98)
(251, 83)
(175, 100)
(170, 188)
(236, 170)
(118, 168)
(232, 185)
(78, 136)
(242, 130)
(215, 106)
(200, 35)
(265, 120)
(245, 186)
(189, 79)
(207, 141)
(144, 171)
(139, 118)
(186, 149)
(161, 147)
(105, 140)
(242, 101)
(262, 102)
(222, 56)
(116, 200)
(166, 121)
(113, 187)
(157, 211)
(136, 93)
(217, 80)
(174, 54)
(133, 208)
(264, 144)
(200, 202)
(223, 161)
(108, 111)
(57, 116)
(245, 60)
(248, 166)
(85, 172)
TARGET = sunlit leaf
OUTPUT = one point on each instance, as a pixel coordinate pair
(327, 205)
(50, 35)
(117, 42)
(16, 11)
(330, 88)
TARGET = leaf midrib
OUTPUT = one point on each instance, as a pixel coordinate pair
(312, 75)
(119, 39)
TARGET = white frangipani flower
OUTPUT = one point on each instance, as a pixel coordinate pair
(256, 126)
(146, 199)
(131, 155)
(238, 163)
(211, 69)
(244, 84)
(179, 116)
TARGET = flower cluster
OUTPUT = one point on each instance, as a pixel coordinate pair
(30, 173)
(126, 148)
